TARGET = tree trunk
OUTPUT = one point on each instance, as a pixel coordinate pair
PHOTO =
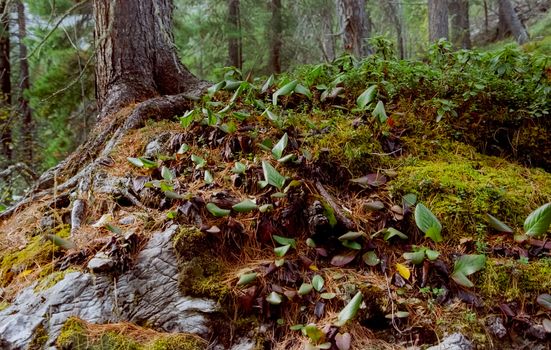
(354, 26)
(24, 107)
(328, 39)
(460, 26)
(508, 18)
(5, 82)
(136, 58)
(276, 42)
(234, 42)
(438, 20)
(394, 12)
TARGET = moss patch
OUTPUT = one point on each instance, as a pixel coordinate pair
(512, 279)
(201, 270)
(460, 188)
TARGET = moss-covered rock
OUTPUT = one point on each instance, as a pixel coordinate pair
(460, 188)
(201, 265)
(513, 279)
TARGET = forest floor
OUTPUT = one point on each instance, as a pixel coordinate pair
(322, 218)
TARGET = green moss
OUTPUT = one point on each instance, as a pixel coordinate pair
(49, 279)
(201, 269)
(460, 188)
(177, 342)
(40, 337)
(36, 254)
(73, 336)
(513, 279)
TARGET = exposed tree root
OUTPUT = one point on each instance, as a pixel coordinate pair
(77, 169)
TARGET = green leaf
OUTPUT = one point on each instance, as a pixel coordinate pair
(415, 257)
(60, 242)
(296, 327)
(135, 161)
(279, 147)
(239, 168)
(305, 288)
(318, 282)
(183, 148)
(246, 278)
(301, 89)
(285, 241)
(428, 223)
(215, 88)
(199, 162)
(272, 176)
(328, 296)
(279, 262)
(314, 333)
(187, 119)
(391, 232)
(367, 96)
(352, 245)
(216, 211)
(350, 310)
(208, 178)
(269, 82)
(266, 208)
(286, 158)
(274, 298)
(379, 112)
(409, 199)
(544, 300)
(167, 174)
(245, 206)
(148, 164)
(467, 265)
(432, 254)
(173, 195)
(537, 223)
(351, 235)
(371, 258)
(285, 90)
(310, 243)
(272, 116)
(281, 251)
(498, 225)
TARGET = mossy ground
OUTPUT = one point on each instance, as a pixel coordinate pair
(77, 335)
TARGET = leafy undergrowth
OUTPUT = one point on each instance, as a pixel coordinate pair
(349, 206)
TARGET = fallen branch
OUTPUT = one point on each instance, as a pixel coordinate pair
(339, 215)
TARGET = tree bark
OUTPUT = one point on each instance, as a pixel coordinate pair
(25, 84)
(136, 58)
(5, 82)
(395, 13)
(508, 18)
(438, 20)
(235, 41)
(460, 24)
(354, 26)
(276, 31)
(328, 39)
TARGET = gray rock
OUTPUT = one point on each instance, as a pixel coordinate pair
(146, 294)
(101, 263)
(152, 149)
(456, 341)
(127, 220)
(244, 344)
(496, 327)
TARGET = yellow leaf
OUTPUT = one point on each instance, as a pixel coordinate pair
(403, 271)
(314, 268)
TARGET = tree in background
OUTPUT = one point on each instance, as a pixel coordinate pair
(354, 26)
(275, 32)
(235, 46)
(438, 20)
(510, 22)
(5, 82)
(27, 125)
(394, 11)
(460, 26)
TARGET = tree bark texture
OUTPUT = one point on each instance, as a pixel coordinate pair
(136, 58)
(235, 36)
(438, 20)
(25, 84)
(354, 26)
(276, 31)
(395, 13)
(509, 20)
(328, 39)
(460, 24)
(5, 82)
